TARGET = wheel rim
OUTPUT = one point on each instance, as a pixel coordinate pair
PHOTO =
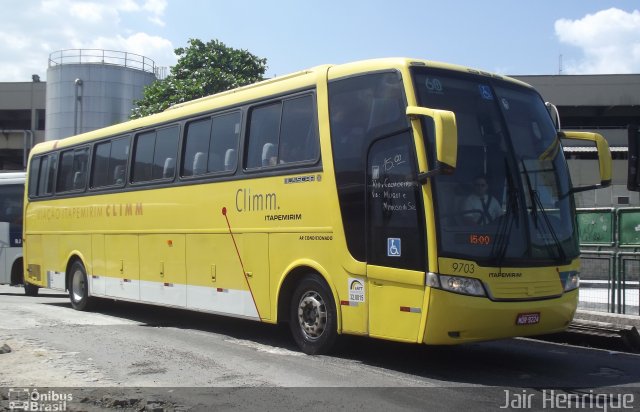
(77, 285)
(312, 315)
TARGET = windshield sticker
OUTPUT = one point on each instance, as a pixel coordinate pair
(433, 85)
(485, 92)
(394, 247)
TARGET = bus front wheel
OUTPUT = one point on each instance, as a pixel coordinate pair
(79, 287)
(30, 290)
(313, 316)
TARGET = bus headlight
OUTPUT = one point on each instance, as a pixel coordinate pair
(456, 284)
(571, 281)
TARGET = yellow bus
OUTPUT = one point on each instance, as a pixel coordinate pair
(339, 199)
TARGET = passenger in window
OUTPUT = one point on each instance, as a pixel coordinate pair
(480, 208)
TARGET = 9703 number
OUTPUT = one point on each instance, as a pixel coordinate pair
(459, 267)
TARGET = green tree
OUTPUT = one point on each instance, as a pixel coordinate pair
(202, 69)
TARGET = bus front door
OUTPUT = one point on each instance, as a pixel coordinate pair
(395, 240)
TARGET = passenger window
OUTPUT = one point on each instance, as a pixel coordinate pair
(298, 137)
(211, 145)
(109, 163)
(47, 174)
(155, 154)
(166, 149)
(264, 128)
(283, 133)
(143, 157)
(100, 165)
(225, 134)
(73, 170)
(196, 141)
(34, 172)
(118, 161)
(66, 173)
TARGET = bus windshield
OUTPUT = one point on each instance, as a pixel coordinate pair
(508, 202)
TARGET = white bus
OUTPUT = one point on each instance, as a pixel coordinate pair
(11, 201)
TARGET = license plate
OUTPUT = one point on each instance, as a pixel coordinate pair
(528, 318)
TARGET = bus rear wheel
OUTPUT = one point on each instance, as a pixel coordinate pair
(313, 316)
(79, 287)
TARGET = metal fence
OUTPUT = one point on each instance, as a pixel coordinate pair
(610, 255)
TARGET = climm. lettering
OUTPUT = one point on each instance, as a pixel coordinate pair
(126, 209)
(248, 202)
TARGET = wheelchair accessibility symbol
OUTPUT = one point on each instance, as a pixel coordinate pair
(394, 248)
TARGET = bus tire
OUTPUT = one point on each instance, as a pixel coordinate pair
(30, 290)
(313, 316)
(16, 273)
(79, 287)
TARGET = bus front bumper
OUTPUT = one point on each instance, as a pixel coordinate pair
(454, 318)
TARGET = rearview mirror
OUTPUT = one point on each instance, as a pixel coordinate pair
(555, 115)
(446, 139)
(604, 156)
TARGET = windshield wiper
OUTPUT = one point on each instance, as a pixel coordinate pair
(511, 214)
(535, 203)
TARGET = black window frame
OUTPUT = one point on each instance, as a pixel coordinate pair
(74, 150)
(92, 186)
(288, 165)
(134, 151)
(51, 170)
(211, 118)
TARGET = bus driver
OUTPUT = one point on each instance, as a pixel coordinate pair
(480, 208)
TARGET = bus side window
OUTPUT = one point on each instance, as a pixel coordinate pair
(65, 175)
(298, 137)
(110, 162)
(143, 157)
(47, 175)
(34, 173)
(264, 126)
(153, 149)
(196, 144)
(166, 147)
(225, 135)
(100, 165)
(73, 168)
(118, 161)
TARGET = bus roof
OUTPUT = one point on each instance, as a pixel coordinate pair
(273, 86)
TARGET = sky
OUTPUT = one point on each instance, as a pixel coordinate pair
(503, 36)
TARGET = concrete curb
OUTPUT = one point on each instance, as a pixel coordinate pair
(613, 318)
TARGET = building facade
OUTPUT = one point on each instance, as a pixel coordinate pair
(22, 120)
(87, 90)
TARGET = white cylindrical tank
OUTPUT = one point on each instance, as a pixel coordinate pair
(88, 89)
